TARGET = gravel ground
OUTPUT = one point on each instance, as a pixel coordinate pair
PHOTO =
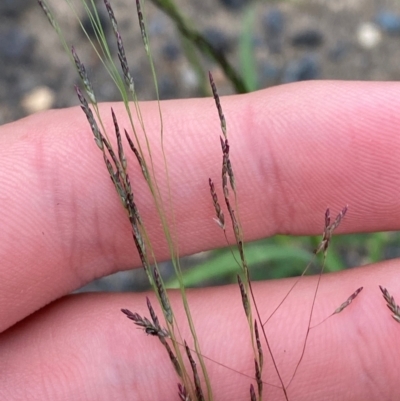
(292, 41)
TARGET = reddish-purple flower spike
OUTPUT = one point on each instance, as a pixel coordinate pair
(224, 146)
(220, 219)
(141, 24)
(217, 103)
(327, 218)
(183, 394)
(48, 14)
(329, 229)
(348, 301)
(84, 76)
(391, 304)
(89, 116)
(339, 218)
(252, 393)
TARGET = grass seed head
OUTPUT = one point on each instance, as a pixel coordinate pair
(182, 392)
(98, 137)
(84, 76)
(218, 104)
(197, 383)
(348, 301)
(391, 304)
(163, 296)
(245, 298)
(252, 393)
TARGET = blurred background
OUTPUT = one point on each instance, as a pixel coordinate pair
(265, 43)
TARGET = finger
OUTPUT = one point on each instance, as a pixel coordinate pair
(84, 348)
(295, 150)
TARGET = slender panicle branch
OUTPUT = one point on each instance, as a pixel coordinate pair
(323, 246)
(343, 306)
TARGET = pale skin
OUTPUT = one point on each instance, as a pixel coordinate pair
(296, 149)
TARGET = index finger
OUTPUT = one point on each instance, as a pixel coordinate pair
(296, 149)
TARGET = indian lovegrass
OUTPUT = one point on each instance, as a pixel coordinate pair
(193, 382)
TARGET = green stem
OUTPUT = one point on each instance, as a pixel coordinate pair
(203, 45)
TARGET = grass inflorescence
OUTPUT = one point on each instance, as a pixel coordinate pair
(194, 382)
(117, 167)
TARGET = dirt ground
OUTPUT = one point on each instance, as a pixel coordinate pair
(292, 40)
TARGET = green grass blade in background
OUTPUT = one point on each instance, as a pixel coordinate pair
(222, 264)
(246, 52)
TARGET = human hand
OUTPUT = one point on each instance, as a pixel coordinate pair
(296, 150)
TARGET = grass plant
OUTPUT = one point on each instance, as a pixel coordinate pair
(188, 361)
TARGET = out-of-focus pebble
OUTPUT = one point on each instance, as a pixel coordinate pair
(15, 45)
(158, 25)
(307, 38)
(273, 23)
(234, 4)
(14, 8)
(171, 51)
(39, 99)
(388, 22)
(221, 42)
(269, 73)
(368, 35)
(189, 78)
(338, 51)
(303, 69)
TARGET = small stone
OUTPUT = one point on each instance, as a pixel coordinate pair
(303, 69)
(190, 79)
(368, 35)
(158, 25)
(218, 40)
(15, 44)
(388, 22)
(338, 51)
(171, 51)
(39, 99)
(307, 38)
(273, 22)
(14, 8)
(234, 4)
